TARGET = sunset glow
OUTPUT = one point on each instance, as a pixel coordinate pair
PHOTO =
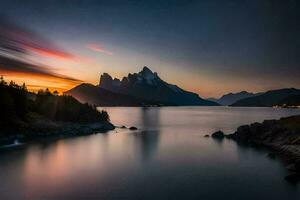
(78, 49)
(150, 99)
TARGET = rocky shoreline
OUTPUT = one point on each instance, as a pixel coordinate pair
(51, 130)
(281, 136)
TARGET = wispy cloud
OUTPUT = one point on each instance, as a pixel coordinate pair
(50, 52)
(99, 48)
(15, 39)
(16, 43)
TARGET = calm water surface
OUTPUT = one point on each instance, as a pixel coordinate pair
(167, 158)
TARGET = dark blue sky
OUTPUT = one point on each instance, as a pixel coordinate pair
(210, 47)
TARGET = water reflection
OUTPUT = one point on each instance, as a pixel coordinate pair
(166, 158)
(218, 141)
(149, 137)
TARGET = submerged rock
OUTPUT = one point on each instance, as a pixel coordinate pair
(271, 155)
(293, 178)
(218, 135)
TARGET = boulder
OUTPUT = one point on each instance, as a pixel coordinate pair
(242, 134)
(218, 135)
(133, 128)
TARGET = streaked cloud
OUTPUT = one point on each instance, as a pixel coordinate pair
(50, 53)
(99, 48)
(16, 39)
(17, 43)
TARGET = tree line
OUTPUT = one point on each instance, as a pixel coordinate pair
(17, 104)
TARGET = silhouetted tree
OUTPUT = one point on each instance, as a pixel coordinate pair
(2, 82)
(15, 106)
(24, 87)
(55, 93)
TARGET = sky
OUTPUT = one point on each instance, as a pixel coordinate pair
(210, 47)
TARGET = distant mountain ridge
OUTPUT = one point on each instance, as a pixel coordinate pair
(142, 88)
(231, 98)
(268, 99)
(88, 93)
(292, 100)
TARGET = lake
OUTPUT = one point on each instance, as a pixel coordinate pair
(168, 157)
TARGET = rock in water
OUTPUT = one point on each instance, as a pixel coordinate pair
(218, 135)
(133, 128)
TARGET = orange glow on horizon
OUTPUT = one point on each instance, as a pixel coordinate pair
(35, 82)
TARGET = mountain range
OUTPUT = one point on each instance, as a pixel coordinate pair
(137, 89)
(231, 98)
(292, 100)
(270, 98)
(95, 95)
(146, 88)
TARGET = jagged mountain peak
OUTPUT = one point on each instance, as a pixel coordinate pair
(146, 70)
(148, 74)
(146, 86)
(106, 75)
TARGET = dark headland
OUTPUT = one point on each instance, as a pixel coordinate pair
(27, 116)
(281, 136)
